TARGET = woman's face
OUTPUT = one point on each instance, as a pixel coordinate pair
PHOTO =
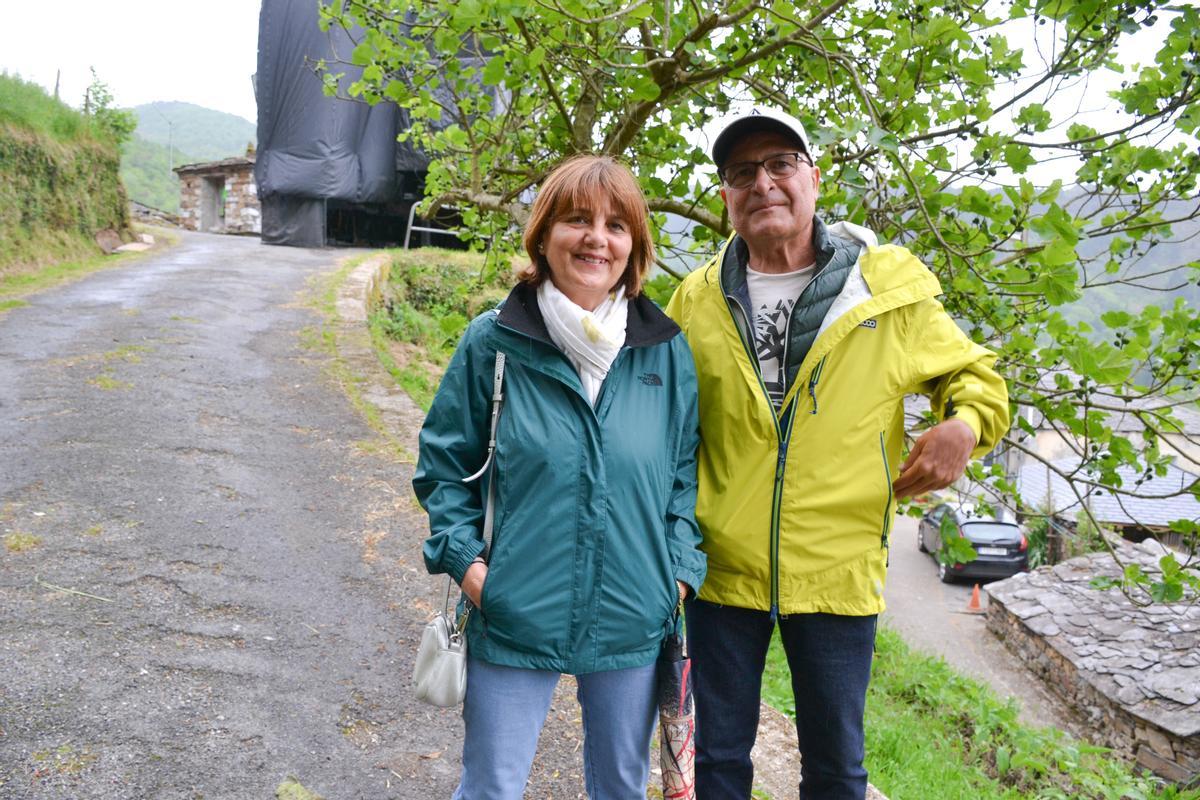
(587, 250)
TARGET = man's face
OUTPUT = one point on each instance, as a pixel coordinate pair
(770, 211)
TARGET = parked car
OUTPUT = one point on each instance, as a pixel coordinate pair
(1000, 545)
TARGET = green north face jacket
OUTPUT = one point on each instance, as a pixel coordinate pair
(594, 515)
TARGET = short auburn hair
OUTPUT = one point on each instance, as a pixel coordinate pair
(585, 182)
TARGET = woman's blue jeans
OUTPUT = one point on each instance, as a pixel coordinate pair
(505, 709)
(830, 661)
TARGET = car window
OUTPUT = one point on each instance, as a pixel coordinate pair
(990, 531)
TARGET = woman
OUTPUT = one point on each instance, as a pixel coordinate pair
(595, 541)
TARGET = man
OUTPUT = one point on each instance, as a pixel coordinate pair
(806, 338)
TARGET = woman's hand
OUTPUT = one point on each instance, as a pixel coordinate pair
(472, 582)
(683, 590)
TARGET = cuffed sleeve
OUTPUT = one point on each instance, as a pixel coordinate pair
(958, 376)
(453, 445)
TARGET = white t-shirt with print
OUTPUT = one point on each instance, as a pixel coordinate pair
(772, 297)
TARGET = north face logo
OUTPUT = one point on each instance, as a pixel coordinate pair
(650, 379)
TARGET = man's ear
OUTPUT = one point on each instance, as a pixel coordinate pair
(724, 199)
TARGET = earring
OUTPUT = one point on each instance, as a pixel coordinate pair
(541, 247)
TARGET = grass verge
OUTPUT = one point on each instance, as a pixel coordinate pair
(324, 338)
(53, 265)
(936, 735)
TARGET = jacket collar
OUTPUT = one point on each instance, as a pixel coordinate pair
(645, 325)
(737, 256)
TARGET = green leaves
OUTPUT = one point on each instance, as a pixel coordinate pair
(955, 549)
(1042, 226)
(1099, 361)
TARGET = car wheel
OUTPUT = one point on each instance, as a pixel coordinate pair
(921, 541)
(944, 573)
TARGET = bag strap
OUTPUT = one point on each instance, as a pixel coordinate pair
(490, 506)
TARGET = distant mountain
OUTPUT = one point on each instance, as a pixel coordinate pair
(204, 134)
(171, 134)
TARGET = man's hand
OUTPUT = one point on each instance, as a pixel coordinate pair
(683, 591)
(472, 583)
(937, 459)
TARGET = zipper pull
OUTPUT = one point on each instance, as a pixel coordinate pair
(774, 612)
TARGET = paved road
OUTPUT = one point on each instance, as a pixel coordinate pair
(253, 602)
(932, 617)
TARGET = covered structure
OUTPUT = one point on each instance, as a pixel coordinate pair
(329, 171)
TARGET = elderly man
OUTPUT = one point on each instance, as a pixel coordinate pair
(806, 338)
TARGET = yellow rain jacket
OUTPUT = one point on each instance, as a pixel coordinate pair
(796, 506)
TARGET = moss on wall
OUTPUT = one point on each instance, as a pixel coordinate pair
(55, 195)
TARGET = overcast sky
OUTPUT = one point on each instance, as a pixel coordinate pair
(205, 53)
(145, 50)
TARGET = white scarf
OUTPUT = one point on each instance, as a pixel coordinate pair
(590, 339)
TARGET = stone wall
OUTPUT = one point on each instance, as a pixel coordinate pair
(241, 212)
(1132, 674)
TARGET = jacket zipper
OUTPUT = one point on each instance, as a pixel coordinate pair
(776, 505)
(781, 462)
(887, 477)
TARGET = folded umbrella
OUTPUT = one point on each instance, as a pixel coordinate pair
(677, 721)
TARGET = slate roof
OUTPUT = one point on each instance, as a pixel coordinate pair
(223, 165)
(1164, 504)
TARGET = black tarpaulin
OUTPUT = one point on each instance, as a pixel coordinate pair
(312, 147)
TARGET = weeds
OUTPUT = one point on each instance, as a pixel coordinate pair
(62, 760)
(108, 383)
(431, 297)
(19, 542)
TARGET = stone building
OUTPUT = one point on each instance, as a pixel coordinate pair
(220, 196)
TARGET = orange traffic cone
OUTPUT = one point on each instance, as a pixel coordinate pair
(974, 606)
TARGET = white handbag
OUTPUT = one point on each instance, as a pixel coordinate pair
(440, 672)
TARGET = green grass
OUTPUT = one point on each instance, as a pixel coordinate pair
(936, 735)
(28, 105)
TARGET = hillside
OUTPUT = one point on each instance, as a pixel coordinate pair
(201, 133)
(59, 181)
(146, 173)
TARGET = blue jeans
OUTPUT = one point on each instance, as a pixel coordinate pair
(830, 661)
(506, 707)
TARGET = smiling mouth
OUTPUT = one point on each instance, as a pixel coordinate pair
(595, 261)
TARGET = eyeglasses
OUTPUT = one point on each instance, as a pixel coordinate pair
(781, 166)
